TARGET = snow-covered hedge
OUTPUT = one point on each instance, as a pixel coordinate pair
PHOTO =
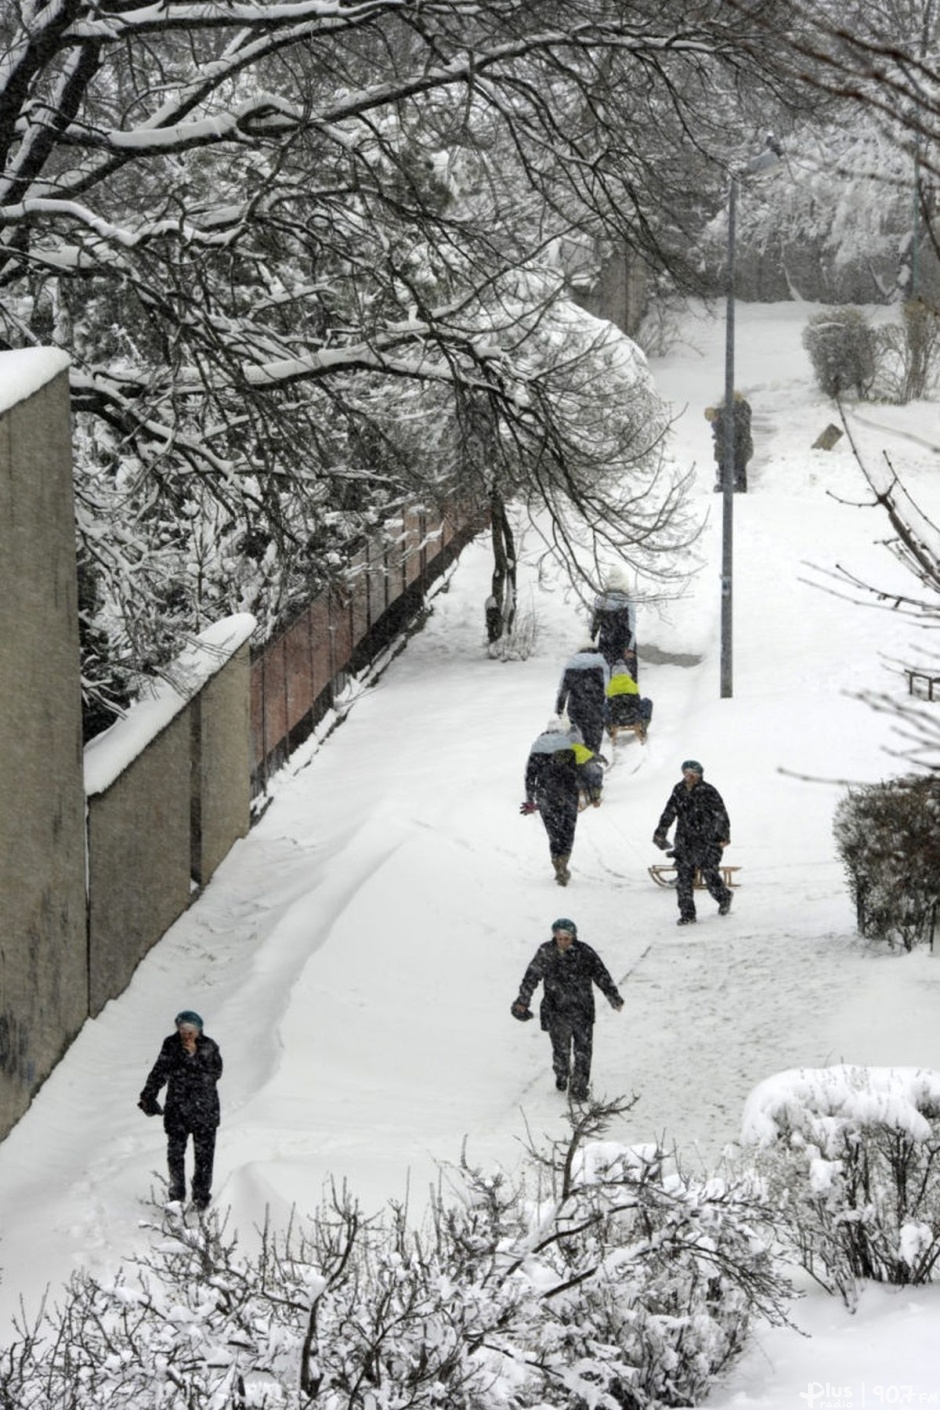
(850, 1157)
(841, 347)
(605, 1279)
(888, 836)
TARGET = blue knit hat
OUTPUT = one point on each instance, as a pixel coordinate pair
(564, 924)
(693, 766)
(187, 1016)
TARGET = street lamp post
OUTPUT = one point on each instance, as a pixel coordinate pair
(765, 161)
(727, 469)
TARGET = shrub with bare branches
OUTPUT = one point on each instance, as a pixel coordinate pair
(604, 1276)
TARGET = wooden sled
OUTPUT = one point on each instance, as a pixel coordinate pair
(639, 730)
(660, 872)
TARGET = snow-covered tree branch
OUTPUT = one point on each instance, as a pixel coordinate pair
(287, 245)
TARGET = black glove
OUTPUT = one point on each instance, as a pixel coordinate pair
(151, 1107)
(660, 841)
(519, 1010)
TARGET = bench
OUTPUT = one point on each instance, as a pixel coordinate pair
(660, 872)
(929, 680)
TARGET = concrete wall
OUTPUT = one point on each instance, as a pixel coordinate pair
(43, 981)
(138, 860)
(169, 792)
(221, 764)
(84, 896)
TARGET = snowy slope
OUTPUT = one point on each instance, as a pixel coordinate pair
(355, 956)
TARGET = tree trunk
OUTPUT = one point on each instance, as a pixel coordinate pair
(501, 604)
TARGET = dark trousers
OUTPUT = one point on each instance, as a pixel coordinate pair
(560, 816)
(614, 653)
(589, 719)
(566, 1035)
(586, 712)
(204, 1153)
(685, 883)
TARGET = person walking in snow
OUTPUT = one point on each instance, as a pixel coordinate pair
(567, 969)
(582, 691)
(743, 447)
(614, 623)
(552, 786)
(703, 831)
(190, 1066)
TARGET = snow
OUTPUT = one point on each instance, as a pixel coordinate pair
(843, 1097)
(110, 753)
(356, 955)
(23, 371)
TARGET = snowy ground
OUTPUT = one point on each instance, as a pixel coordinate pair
(356, 955)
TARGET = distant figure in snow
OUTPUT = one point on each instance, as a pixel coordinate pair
(743, 444)
(567, 968)
(554, 779)
(582, 691)
(614, 623)
(190, 1065)
(626, 708)
(703, 831)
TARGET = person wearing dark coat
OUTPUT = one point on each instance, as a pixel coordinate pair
(614, 624)
(703, 831)
(743, 441)
(582, 691)
(626, 708)
(567, 969)
(189, 1065)
(553, 781)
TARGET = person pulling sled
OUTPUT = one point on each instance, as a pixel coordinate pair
(554, 779)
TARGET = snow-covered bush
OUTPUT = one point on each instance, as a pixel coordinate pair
(850, 1158)
(906, 354)
(888, 836)
(841, 348)
(605, 1278)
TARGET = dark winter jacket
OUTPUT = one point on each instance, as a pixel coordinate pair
(583, 691)
(702, 823)
(743, 441)
(549, 777)
(615, 620)
(567, 977)
(190, 1078)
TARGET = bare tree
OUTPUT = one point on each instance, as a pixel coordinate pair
(914, 541)
(283, 246)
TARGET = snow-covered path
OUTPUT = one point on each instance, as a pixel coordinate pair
(356, 955)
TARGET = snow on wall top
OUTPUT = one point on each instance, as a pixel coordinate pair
(111, 752)
(24, 370)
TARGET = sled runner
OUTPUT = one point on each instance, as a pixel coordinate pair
(664, 874)
(638, 730)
